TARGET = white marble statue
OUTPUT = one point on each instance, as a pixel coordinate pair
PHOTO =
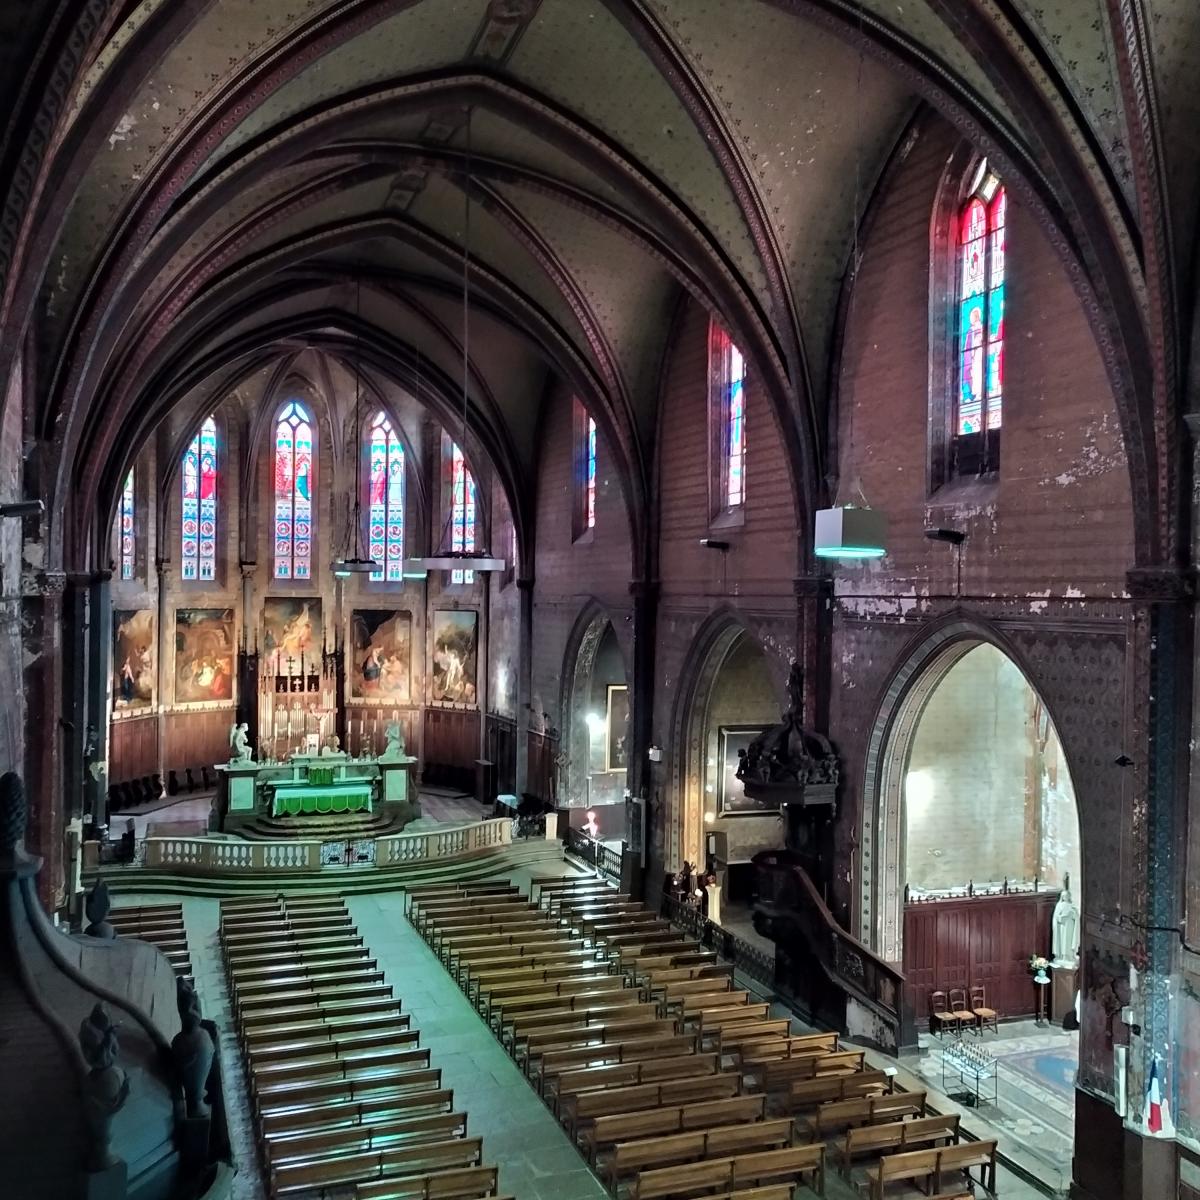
(239, 742)
(395, 741)
(1065, 930)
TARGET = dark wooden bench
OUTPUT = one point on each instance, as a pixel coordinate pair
(933, 1165)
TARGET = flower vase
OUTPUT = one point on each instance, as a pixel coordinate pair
(1040, 977)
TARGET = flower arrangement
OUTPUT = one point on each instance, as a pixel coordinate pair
(1038, 964)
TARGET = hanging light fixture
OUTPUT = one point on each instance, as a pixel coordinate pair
(354, 560)
(848, 531)
(457, 560)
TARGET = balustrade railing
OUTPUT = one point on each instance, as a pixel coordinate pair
(595, 853)
(752, 961)
(219, 856)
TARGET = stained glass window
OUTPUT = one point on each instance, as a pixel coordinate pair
(727, 370)
(981, 307)
(462, 511)
(294, 493)
(590, 473)
(128, 545)
(198, 533)
(385, 513)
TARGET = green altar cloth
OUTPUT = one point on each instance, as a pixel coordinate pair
(327, 798)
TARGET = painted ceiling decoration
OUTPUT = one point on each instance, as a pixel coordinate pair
(196, 188)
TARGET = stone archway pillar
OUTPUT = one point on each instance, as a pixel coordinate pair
(638, 778)
(524, 682)
(42, 614)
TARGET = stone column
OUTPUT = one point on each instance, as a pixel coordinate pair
(1163, 602)
(524, 680)
(100, 672)
(42, 613)
(645, 632)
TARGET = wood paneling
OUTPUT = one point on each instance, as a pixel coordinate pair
(197, 738)
(502, 751)
(978, 940)
(543, 771)
(133, 748)
(450, 747)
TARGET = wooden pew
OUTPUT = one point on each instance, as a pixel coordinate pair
(278, 1122)
(627, 1050)
(626, 1074)
(342, 1045)
(642, 1154)
(352, 1139)
(579, 1110)
(355, 1086)
(249, 1024)
(835, 1115)
(466, 1183)
(276, 953)
(919, 1133)
(777, 1075)
(750, 1038)
(317, 1174)
(933, 1165)
(608, 1129)
(302, 997)
(302, 980)
(566, 1010)
(336, 1066)
(807, 1094)
(728, 1174)
(549, 1040)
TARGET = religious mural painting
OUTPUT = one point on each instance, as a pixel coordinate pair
(293, 635)
(732, 801)
(133, 658)
(455, 655)
(616, 753)
(204, 655)
(381, 667)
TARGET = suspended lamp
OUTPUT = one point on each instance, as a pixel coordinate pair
(459, 560)
(354, 560)
(849, 532)
(846, 531)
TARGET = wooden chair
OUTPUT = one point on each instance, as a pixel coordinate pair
(986, 1017)
(967, 1019)
(941, 1016)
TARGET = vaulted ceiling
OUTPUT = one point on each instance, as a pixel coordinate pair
(199, 185)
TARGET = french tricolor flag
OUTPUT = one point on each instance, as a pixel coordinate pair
(1158, 1110)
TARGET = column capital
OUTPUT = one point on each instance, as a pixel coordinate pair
(43, 583)
(1161, 584)
(248, 569)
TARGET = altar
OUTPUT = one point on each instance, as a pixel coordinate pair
(312, 784)
(289, 800)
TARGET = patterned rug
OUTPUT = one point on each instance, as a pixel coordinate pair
(1051, 1068)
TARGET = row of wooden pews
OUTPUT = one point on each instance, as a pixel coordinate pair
(159, 924)
(827, 1091)
(346, 1101)
(583, 989)
(671, 1079)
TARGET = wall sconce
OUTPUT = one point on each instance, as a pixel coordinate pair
(655, 754)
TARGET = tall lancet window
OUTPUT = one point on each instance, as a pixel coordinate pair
(980, 325)
(385, 515)
(727, 419)
(128, 533)
(462, 508)
(198, 523)
(294, 492)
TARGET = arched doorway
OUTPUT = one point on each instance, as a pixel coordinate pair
(972, 842)
(596, 709)
(732, 698)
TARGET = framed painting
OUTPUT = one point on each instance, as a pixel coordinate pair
(133, 658)
(381, 667)
(204, 655)
(732, 801)
(616, 754)
(293, 635)
(455, 656)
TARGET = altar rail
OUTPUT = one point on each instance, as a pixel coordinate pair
(209, 856)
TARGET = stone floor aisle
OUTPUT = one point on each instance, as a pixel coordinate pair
(536, 1160)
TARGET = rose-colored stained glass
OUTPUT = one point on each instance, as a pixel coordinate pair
(128, 543)
(293, 479)
(198, 525)
(385, 512)
(981, 309)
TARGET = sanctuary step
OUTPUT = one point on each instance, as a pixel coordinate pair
(386, 820)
